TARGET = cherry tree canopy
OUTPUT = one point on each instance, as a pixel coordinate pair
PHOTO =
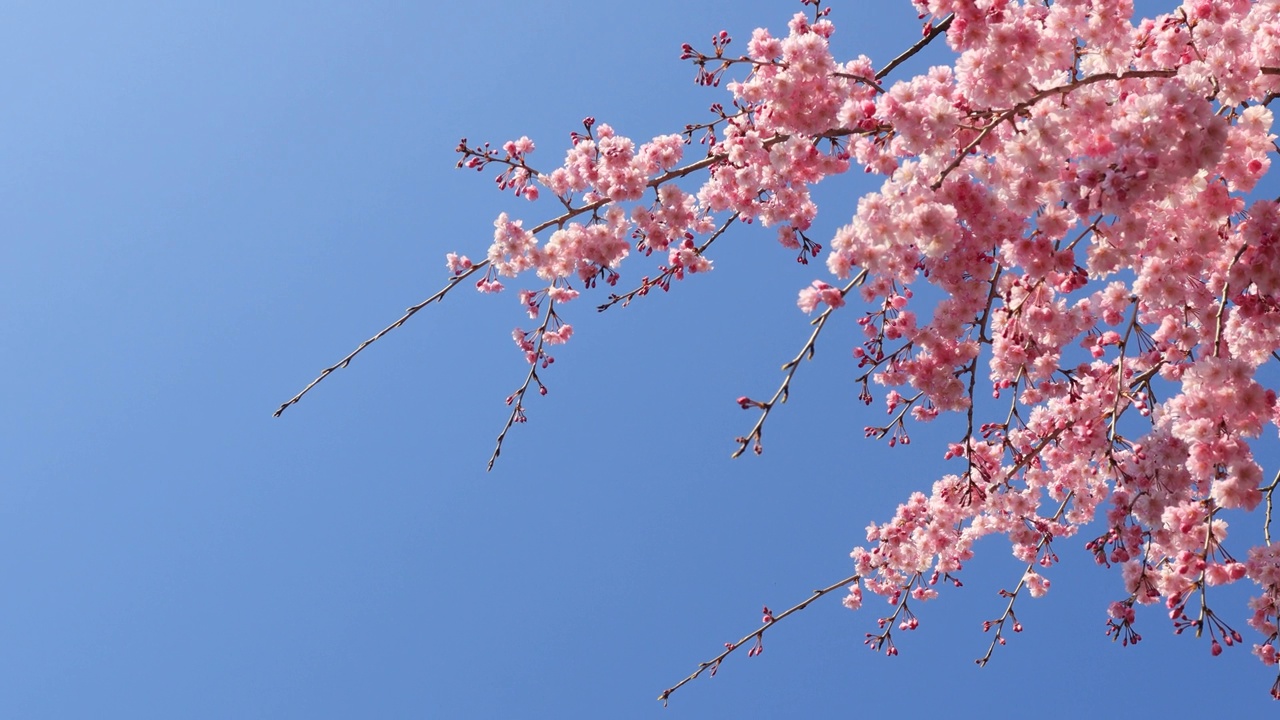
(1066, 250)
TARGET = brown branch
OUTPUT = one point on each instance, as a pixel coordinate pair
(1122, 350)
(1269, 490)
(859, 78)
(1022, 582)
(1041, 95)
(806, 352)
(759, 632)
(937, 30)
(516, 399)
(664, 279)
(1222, 304)
(559, 220)
(571, 212)
(453, 282)
(992, 293)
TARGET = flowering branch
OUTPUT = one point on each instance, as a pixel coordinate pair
(1024, 105)
(664, 279)
(1030, 573)
(536, 356)
(753, 438)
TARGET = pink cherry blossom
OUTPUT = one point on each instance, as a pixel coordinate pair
(1074, 189)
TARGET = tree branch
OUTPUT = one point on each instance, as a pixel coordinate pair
(714, 663)
(937, 30)
(1041, 95)
(806, 352)
(453, 282)
(664, 280)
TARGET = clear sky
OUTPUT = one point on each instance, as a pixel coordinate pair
(202, 207)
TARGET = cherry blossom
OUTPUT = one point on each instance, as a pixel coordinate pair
(1079, 187)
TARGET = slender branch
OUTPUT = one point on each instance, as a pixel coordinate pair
(1269, 490)
(806, 352)
(1013, 596)
(1202, 582)
(453, 282)
(1222, 304)
(1122, 348)
(558, 221)
(1093, 227)
(714, 663)
(878, 642)
(937, 30)
(860, 78)
(662, 179)
(973, 365)
(1041, 95)
(879, 432)
(516, 399)
(664, 279)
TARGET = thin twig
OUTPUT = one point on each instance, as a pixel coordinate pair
(920, 45)
(665, 277)
(715, 662)
(860, 78)
(516, 399)
(453, 282)
(1022, 582)
(1269, 490)
(1041, 95)
(1222, 304)
(806, 352)
(557, 221)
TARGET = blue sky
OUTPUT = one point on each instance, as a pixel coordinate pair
(205, 206)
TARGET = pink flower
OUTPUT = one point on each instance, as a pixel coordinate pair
(457, 264)
(818, 292)
(1037, 584)
(558, 336)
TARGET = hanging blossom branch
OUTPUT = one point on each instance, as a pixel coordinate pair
(537, 356)
(471, 269)
(518, 177)
(464, 268)
(834, 299)
(666, 274)
(1038, 584)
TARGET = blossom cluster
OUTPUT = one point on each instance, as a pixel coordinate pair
(1076, 186)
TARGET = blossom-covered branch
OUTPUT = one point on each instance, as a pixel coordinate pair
(1078, 187)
